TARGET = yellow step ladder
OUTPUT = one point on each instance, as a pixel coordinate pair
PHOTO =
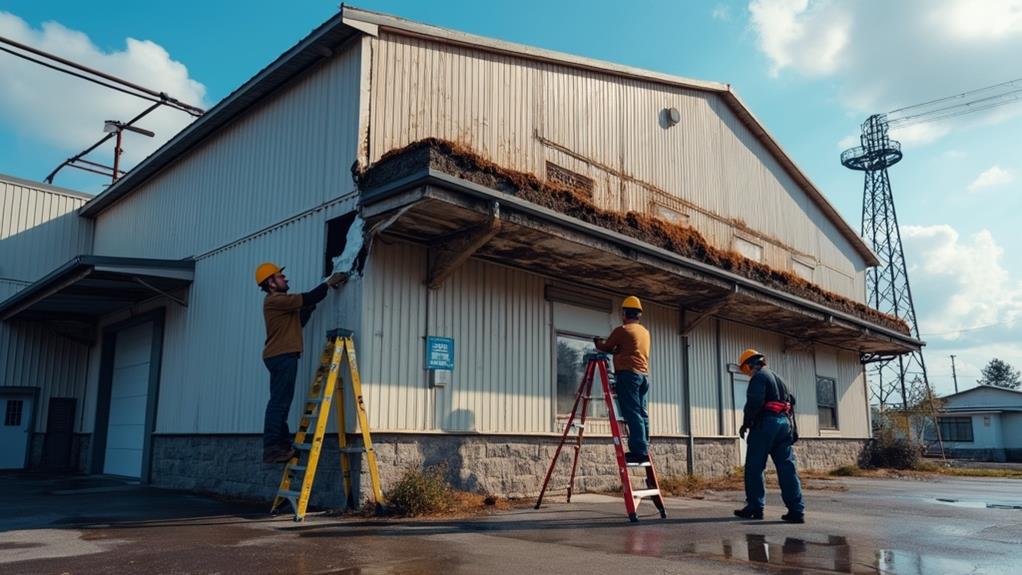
(340, 346)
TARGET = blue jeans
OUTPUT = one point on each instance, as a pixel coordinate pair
(283, 371)
(771, 437)
(632, 388)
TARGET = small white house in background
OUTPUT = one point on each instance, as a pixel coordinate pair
(983, 423)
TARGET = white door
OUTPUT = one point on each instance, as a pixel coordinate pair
(739, 386)
(129, 389)
(16, 412)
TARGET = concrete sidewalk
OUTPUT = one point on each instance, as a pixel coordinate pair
(97, 525)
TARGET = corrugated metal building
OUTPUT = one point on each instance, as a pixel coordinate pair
(175, 387)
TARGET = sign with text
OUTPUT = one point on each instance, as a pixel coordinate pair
(439, 353)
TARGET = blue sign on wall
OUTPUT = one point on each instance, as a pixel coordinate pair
(439, 353)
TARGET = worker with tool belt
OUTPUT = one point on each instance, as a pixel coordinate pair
(629, 344)
(285, 315)
(770, 422)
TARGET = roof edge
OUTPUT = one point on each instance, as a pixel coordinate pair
(44, 187)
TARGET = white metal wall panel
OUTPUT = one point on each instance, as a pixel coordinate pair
(667, 384)
(394, 320)
(213, 378)
(129, 392)
(706, 380)
(39, 230)
(853, 408)
(289, 155)
(521, 114)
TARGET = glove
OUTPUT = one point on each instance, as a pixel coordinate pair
(743, 431)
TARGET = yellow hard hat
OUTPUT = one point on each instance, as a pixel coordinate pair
(265, 271)
(631, 302)
(746, 356)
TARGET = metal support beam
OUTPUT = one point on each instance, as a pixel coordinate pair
(447, 255)
(150, 286)
(692, 318)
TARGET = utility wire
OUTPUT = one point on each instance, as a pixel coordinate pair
(977, 328)
(1017, 81)
(967, 103)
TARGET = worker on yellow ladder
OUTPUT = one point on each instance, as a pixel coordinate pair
(285, 315)
(629, 344)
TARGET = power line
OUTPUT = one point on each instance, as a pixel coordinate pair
(1017, 81)
(967, 103)
(976, 328)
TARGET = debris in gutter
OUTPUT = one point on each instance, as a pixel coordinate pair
(462, 162)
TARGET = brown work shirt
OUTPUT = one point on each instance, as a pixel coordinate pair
(282, 314)
(630, 345)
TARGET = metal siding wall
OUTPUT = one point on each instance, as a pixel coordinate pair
(39, 231)
(213, 378)
(704, 365)
(501, 325)
(502, 106)
(853, 415)
(396, 394)
(667, 385)
(286, 156)
(795, 367)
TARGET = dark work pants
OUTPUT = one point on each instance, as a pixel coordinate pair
(771, 437)
(283, 371)
(632, 388)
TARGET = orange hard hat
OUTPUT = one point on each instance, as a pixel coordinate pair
(631, 302)
(746, 356)
(265, 271)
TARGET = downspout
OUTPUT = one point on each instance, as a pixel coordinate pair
(688, 405)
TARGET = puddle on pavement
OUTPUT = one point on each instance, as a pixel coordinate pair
(824, 553)
(979, 504)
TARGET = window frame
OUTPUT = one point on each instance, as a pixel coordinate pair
(594, 414)
(820, 406)
(944, 423)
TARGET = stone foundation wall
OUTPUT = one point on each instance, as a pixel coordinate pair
(998, 455)
(509, 466)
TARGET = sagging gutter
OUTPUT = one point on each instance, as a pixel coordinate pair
(441, 179)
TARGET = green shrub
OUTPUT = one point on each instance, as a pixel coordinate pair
(421, 492)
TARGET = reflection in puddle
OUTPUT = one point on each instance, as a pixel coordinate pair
(979, 504)
(827, 553)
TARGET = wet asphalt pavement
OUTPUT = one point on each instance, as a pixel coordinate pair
(95, 525)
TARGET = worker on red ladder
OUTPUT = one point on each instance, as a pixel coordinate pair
(629, 344)
(770, 422)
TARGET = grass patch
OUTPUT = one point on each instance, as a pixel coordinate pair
(923, 470)
(848, 471)
(427, 493)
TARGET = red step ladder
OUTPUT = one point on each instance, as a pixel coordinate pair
(597, 362)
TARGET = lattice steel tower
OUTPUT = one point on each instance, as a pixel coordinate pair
(887, 285)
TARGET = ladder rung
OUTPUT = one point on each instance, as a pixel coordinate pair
(637, 493)
(303, 446)
(298, 468)
(286, 493)
(643, 464)
(314, 400)
(353, 450)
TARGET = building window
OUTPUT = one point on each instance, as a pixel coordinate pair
(956, 429)
(570, 179)
(826, 402)
(748, 249)
(670, 215)
(571, 367)
(802, 269)
(12, 417)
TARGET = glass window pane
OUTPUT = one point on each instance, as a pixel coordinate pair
(571, 352)
(12, 416)
(826, 395)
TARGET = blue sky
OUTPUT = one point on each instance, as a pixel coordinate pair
(810, 70)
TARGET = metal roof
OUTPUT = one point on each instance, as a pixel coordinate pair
(44, 187)
(353, 21)
(88, 287)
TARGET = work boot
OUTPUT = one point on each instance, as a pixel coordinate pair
(749, 513)
(280, 454)
(636, 457)
(794, 517)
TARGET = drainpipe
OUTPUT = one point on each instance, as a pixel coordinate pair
(688, 405)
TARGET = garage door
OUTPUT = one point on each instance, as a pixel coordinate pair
(129, 388)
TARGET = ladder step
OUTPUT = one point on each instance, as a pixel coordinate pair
(638, 493)
(643, 464)
(286, 493)
(298, 468)
(303, 446)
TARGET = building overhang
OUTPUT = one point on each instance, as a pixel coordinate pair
(432, 207)
(73, 297)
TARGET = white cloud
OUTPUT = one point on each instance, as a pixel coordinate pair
(848, 142)
(793, 33)
(886, 55)
(722, 12)
(68, 113)
(920, 134)
(995, 176)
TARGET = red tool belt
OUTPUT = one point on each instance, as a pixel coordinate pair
(777, 407)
